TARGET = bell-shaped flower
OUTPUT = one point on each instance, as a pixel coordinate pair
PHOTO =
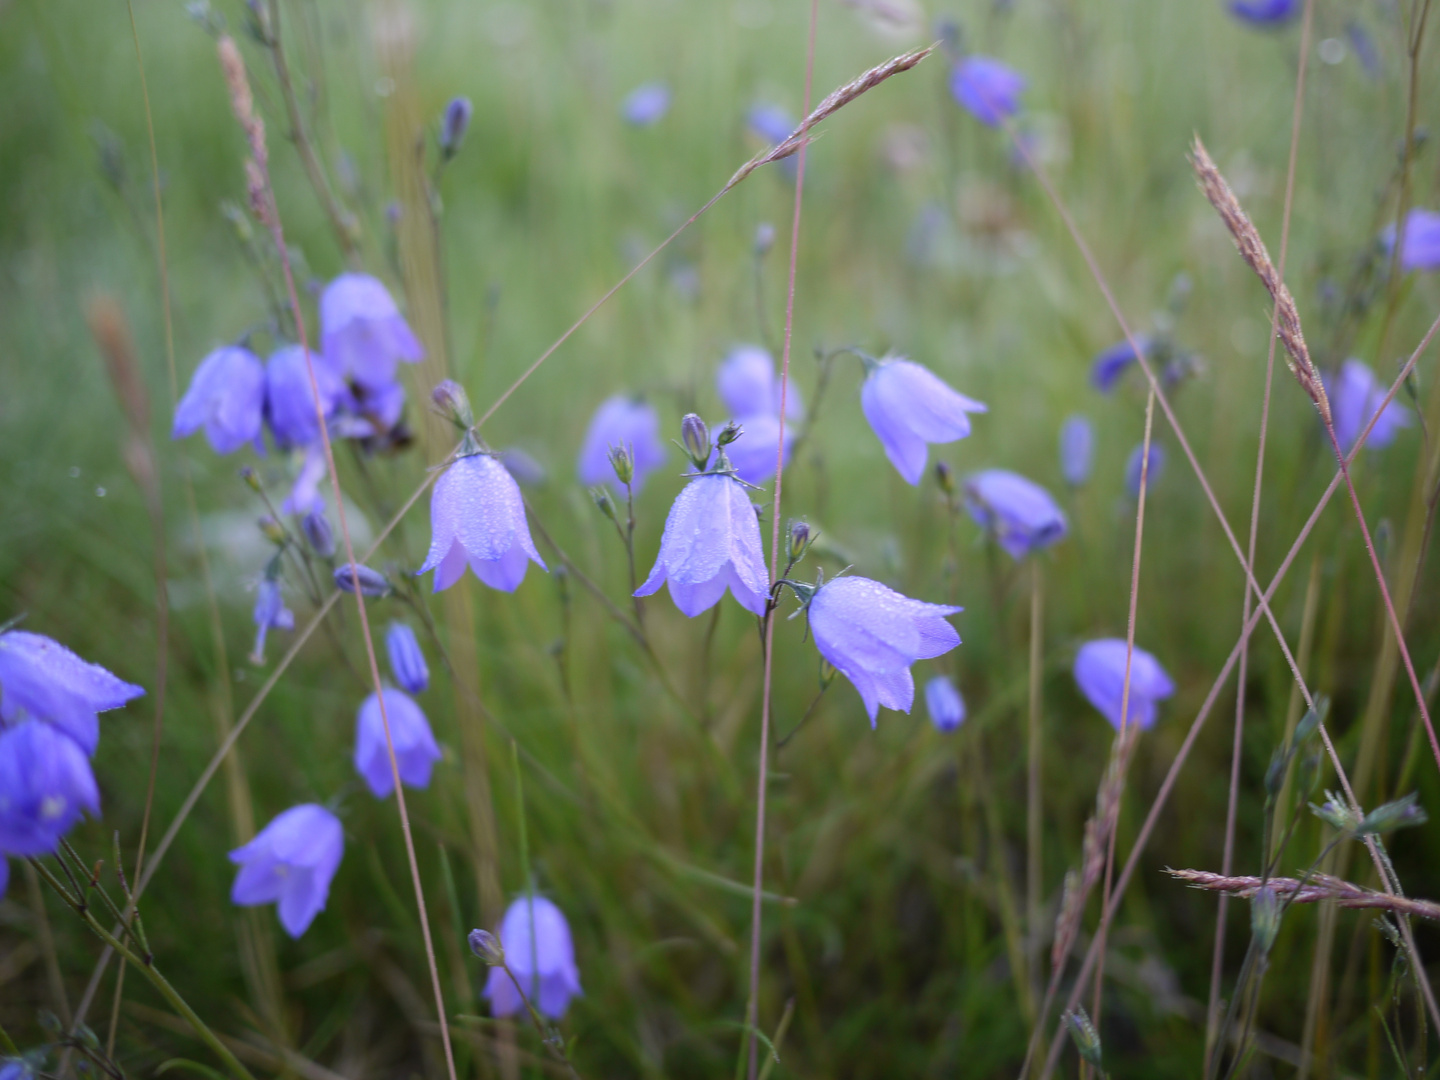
(1111, 363)
(1153, 471)
(270, 614)
(540, 954)
(753, 455)
(227, 398)
(909, 407)
(1421, 250)
(1100, 673)
(988, 90)
(1077, 449)
(407, 662)
(711, 542)
(477, 518)
(621, 421)
(415, 749)
(646, 104)
(1265, 12)
(362, 333)
(42, 678)
(290, 399)
(45, 786)
(944, 704)
(871, 634)
(1355, 396)
(749, 386)
(1019, 513)
(290, 863)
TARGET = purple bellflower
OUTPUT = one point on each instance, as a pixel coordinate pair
(541, 957)
(290, 400)
(1019, 513)
(621, 421)
(1100, 673)
(646, 104)
(370, 411)
(753, 456)
(1265, 12)
(1109, 365)
(1153, 472)
(477, 518)
(290, 863)
(45, 786)
(944, 704)
(770, 123)
(987, 89)
(1077, 449)
(527, 471)
(227, 398)
(362, 333)
(908, 407)
(270, 614)
(407, 662)
(415, 749)
(43, 679)
(1355, 395)
(1422, 241)
(748, 385)
(871, 635)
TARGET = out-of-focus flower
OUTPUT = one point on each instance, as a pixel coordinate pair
(45, 786)
(362, 333)
(871, 634)
(1364, 46)
(1109, 365)
(1077, 449)
(372, 582)
(988, 89)
(621, 421)
(646, 104)
(415, 748)
(4, 884)
(1018, 513)
(477, 518)
(770, 123)
(753, 454)
(1153, 471)
(748, 385)
(908, 407)
(1100, 673)
(227, 398)
(270, 614)
(944, 704)
(541, 955)
(454, 122)
(1265, 12)
(43, 679)
(407, 661)
(1355, 396)
(304, 494)
(316, 527)
(290, 399)
(1422, 241)
(370, 411)
(290, 863)
(527, 471)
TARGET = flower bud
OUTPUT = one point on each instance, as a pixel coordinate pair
(764, 239)
(623, 463)
(729, 433)
(316, 527)
(799, 541)
(454, 404)
(696, 437)
(372, 582)
(1312, 720)
(251, 479)
(945, 477)
(1265, 918)
(272, 530)
(487, 947)
(454, 122)
(1336, 813)
(1393, 815)
(1086, 1038)
(603, 502)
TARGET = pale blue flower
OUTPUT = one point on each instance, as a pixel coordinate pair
(627, 422)
(1153, 471)
(415, 749)
(1355, 396)
(527, 471)
(646, 104)
(944, 704)
(45, 786)
(477, 519)
(270, 614)
(749, 386)
(290, 399)
(1422, 241)
(908, 407)
(1077, 449)
(290, 863)
(988, 89)
(770, 123)
(541, 954)
(41, 678)
(1018, 513)
(1100, 673)
(454, 122)
(362, 333)
(318, 533)
(227, 398)
(407, 661)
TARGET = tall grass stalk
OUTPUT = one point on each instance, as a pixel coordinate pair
(1034, 819)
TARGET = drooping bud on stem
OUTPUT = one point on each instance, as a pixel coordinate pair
(372, 582)
(454, 122)
(453, 403)
(316, 527)
(623, 462)
(487, 947)
(696, 438)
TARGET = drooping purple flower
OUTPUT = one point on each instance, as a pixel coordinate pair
(227, 398)
(520, 464)
(477, 518)
(415, 749)
(362, 333)
(944, 704)
(1153, 471)
(1077, 449)
(711, 542)
(290, 863)
(41, 678)
(454, 122)
(748, 385)
(909, 407)
(270, 614)
(1019, 513)
(1265, 12)
(872, 634)
(372, 582)
(540, 953)
(290, 399)
(1109, 365)
(407, 661)
(1100, 673)
(1422, 241)
(647, 104)
(621, 421)
(988, 89)
(1355, 395)
(45, 786)
(753, 454)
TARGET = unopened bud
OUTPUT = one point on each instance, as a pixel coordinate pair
(828, 672)
(454, 404)
(764, 238)
(729, 433)
(1275, 774)
(1312, 719)
(487, 947)
(696, 437)
(603, 502)
(1336, 813)
(799, 541)
(945, 477)
(251, 478)
(1265, 918)
(316, 527)
(454, 122)
(1084, 1035)
(623, 463)
(1393, 815)
(372, 582)
(272, 529)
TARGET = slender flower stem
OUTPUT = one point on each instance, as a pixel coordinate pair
(556, 1049)
(1034, 891)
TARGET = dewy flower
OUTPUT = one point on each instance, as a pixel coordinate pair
(646, 104)
(362, 333)
(1153, 472)
(944, 704)
(1109, 365)
(748, 385)
(621, 421)
(871, 635)
(291, 863)
(541, 956)
(908, 406)
(1355, 396)
(477, 518)
(270, 614)
(415, 748)
(753, 454)
(1077, 449)
(1265, 11)
(290, 400)
(227, 398)
(45, 786)
(43, 679)
(989, 90)
(1422, 241)
(1019, 513)
(407, 662)
(711, 542)
(1100, 673)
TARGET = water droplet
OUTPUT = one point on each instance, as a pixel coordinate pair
(100, 492)
(74, 472)
(1332, 50)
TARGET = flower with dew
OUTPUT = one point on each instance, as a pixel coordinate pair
(1077, 449)
(45, 786)
(415, 749)
(753, 457)
(871, 634)
(290, 863)
(270, 614)
(944, 704)
(41, 678)
(540, 955)
(1100, 673)
(621, 421)
(748, 385)
(362, 333)
(988, 89)
(407, 662)
(1153, 471)
(1111, 363)
(227, 398)
(909, 407)
(1265, 12)
(477, 519)
(290, 398)
(1421, 250)
(647, 104)
(1355, 396)
(1017, 512)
